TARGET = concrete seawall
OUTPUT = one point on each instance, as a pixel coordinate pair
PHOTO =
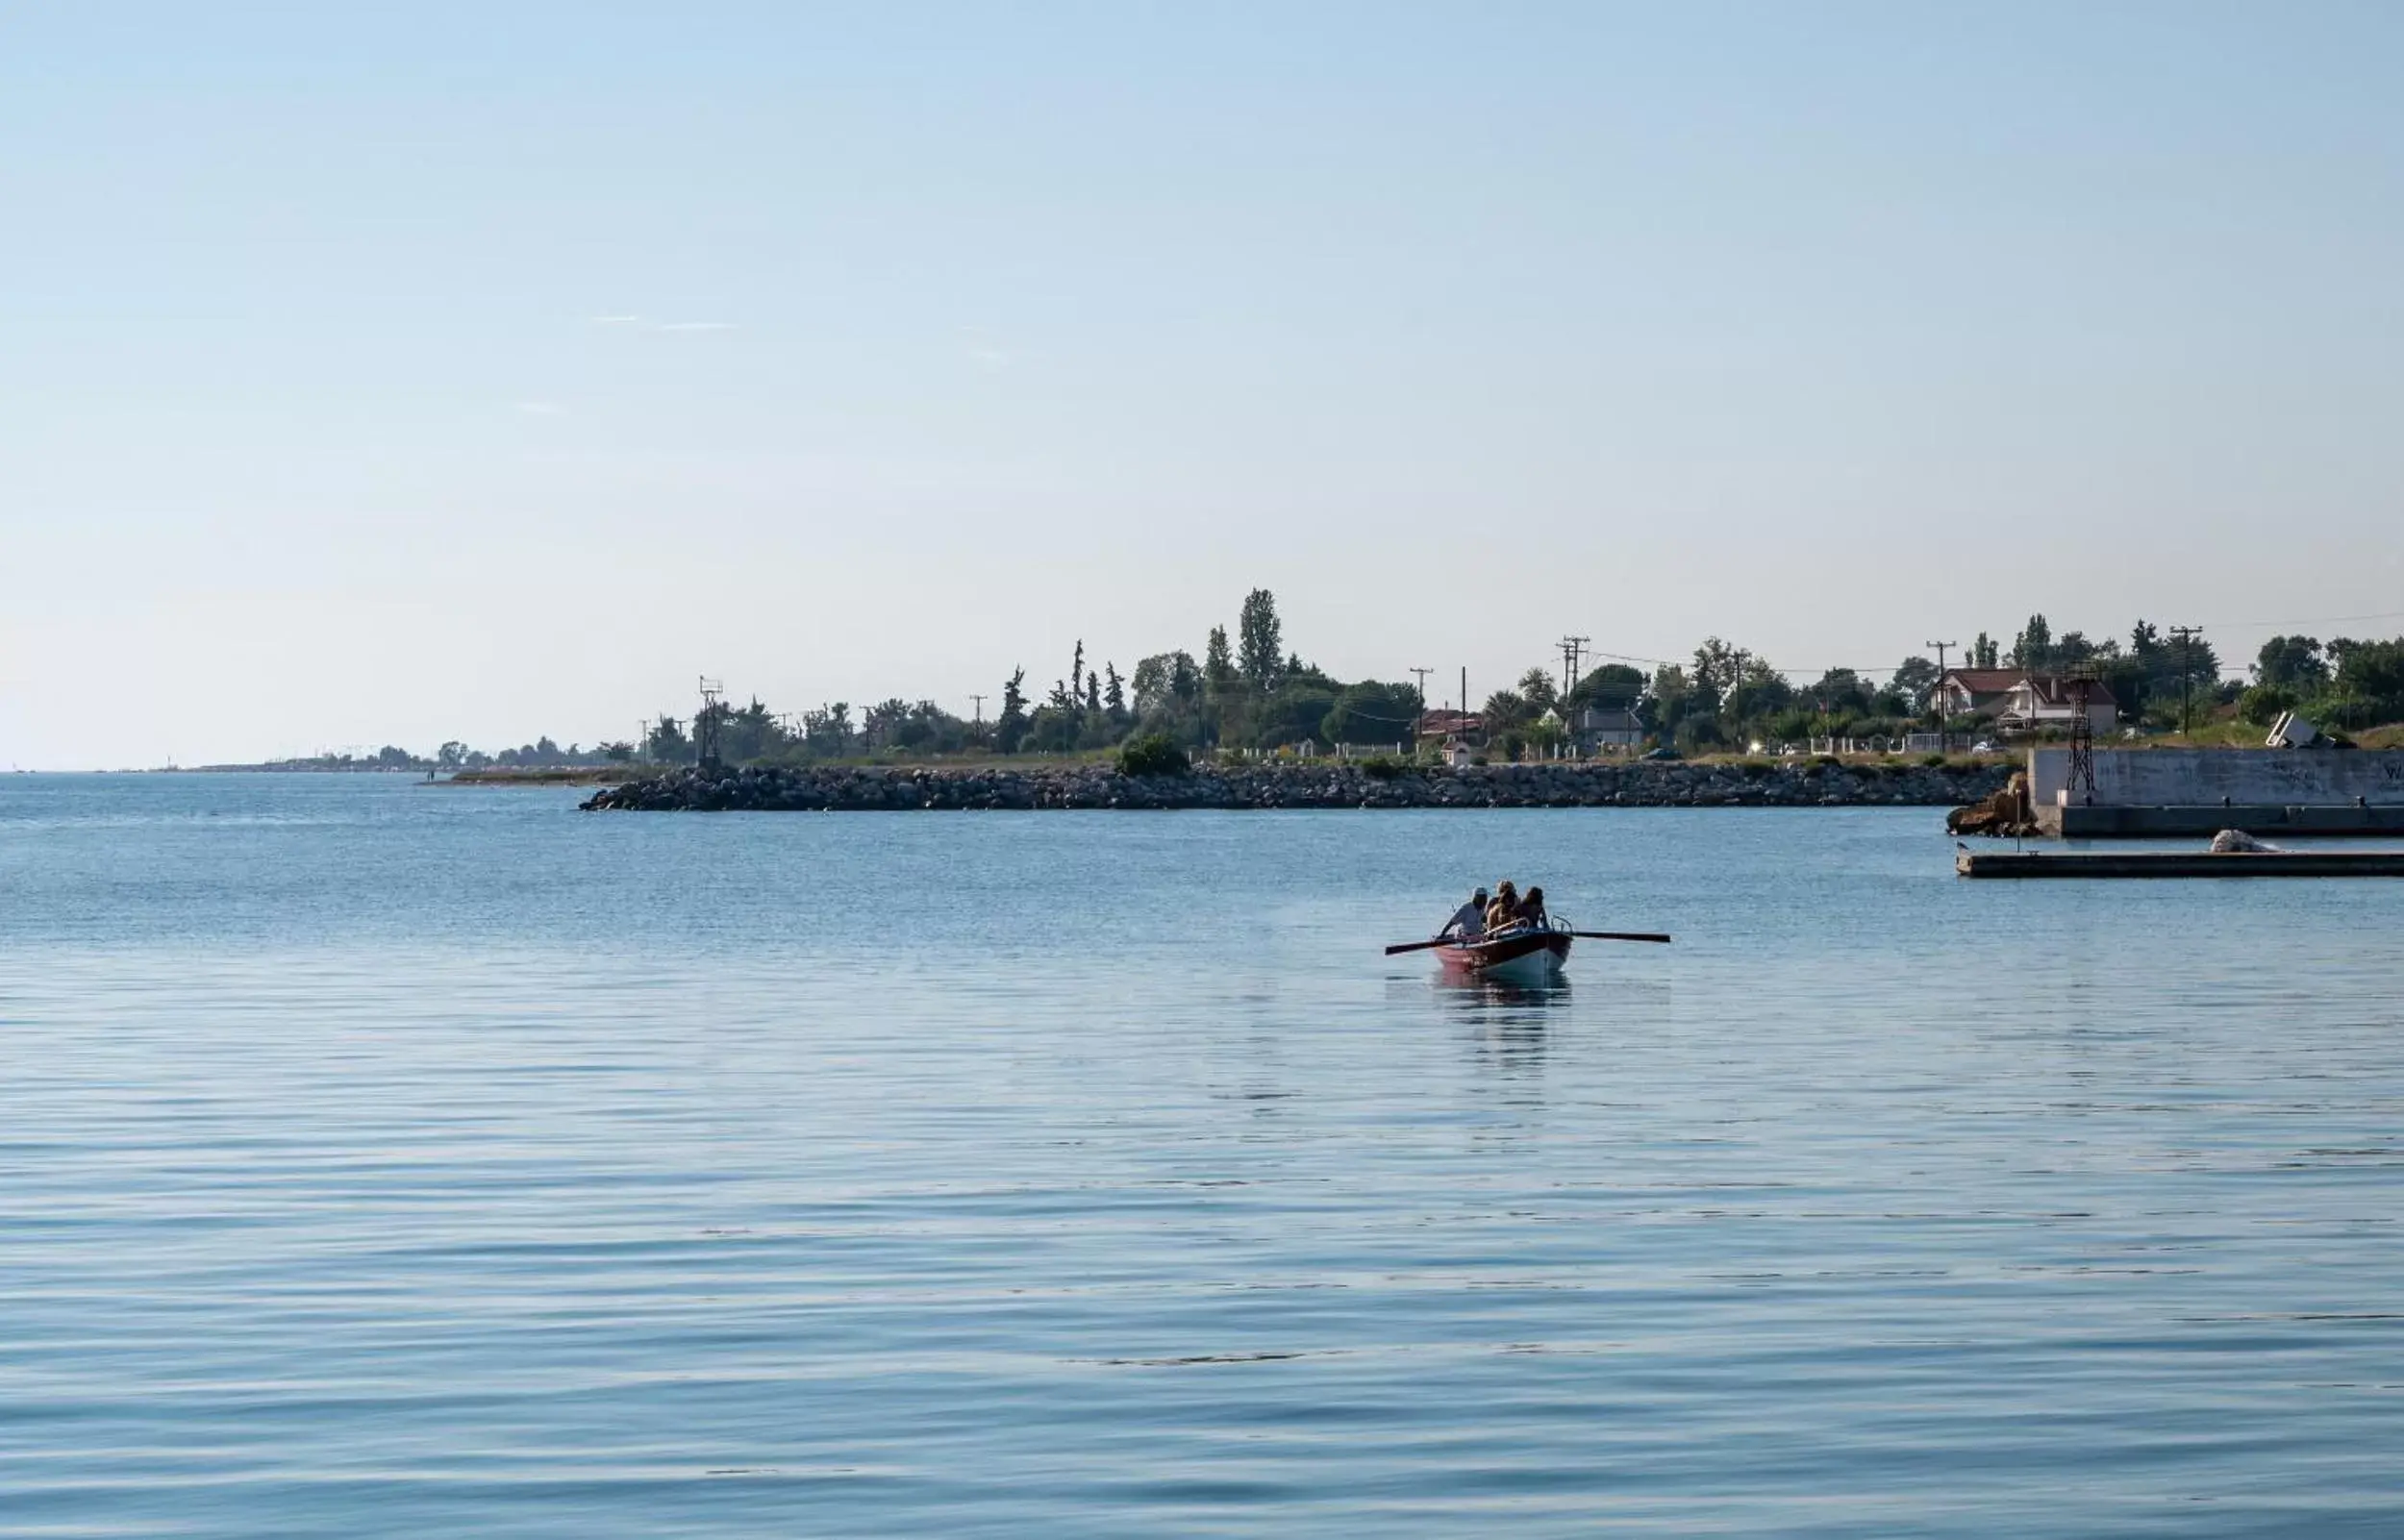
(2143, 792)
(1640, 785)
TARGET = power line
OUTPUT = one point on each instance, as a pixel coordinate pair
(2280, 625)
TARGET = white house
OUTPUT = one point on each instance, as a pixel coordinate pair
(2014, 698)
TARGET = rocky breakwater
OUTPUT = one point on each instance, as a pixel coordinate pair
(1642, 784)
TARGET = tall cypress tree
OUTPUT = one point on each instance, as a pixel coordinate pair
(1260, 645)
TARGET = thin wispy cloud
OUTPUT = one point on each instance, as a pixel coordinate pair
(978, 347)
(540, 408)
(638, 323)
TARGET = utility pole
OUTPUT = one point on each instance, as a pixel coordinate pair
(2186, 636)
(1935, 709)
(1570, 647)
(1420, 727)
(980, 700)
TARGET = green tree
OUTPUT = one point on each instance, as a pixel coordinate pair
(2293, 663)
(1289, 715)
(2073, 648)
(1052, 730)
(1010, 729)
(1506, 711)
(1260, 648)
(665, 744)
(827, 731)
(1914, 678)
(1840, 690)
(1757, 692)
(1219, 669)
(1165, 681)
(1613, 686)
(1983, 651)
(2263, 704)
(2186, 664)
(2033, 648)
(2372, 672)
(1672, 699)
(1153, 755)
(1373, 712)
(882, 724)
(1115, 695)
(1718, 667)
(1537, 687)
(748, 733)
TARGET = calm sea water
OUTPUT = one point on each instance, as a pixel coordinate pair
(387, 1160)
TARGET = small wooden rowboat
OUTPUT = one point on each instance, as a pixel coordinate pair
(1530, 956)
(1523, 954)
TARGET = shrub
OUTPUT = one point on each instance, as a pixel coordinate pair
(2263, 704)
(1754, 769)
(1155, 754)
(1383, 767)
(1934, 762)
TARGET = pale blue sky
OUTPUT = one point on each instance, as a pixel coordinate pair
(965, 331)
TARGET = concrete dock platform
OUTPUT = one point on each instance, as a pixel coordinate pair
(2338, 822)
(2173, 793)
(2180, 864)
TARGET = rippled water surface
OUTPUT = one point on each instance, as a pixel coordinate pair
(386, 1159)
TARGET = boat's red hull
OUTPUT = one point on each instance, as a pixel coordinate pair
(1522, 957)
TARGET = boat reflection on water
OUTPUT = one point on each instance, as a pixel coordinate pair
(1509, 1023)
(1472, 993)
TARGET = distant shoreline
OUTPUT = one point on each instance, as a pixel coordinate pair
(578, 775)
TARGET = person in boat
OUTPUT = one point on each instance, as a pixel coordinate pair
(1467, 922)
(1532, 910)
(1504, 912)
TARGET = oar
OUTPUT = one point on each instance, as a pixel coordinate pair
(1584, 935)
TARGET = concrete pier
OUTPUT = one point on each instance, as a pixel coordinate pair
(2180, 864)
(2157, 793)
